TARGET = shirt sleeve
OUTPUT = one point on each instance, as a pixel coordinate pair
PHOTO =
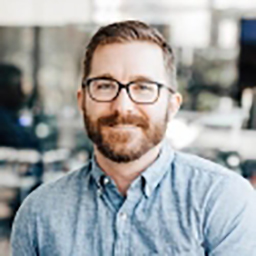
(230, 219)
(23, 235)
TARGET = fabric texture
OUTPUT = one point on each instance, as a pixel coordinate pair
(182, 205)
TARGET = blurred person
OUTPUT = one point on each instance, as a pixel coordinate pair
(12, 132)
(136, 195)
(249, 171)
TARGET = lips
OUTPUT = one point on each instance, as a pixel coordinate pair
(129, 121)
(124, 126)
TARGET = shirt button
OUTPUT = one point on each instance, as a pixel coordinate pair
(99, 192)
(105, 181)
(123, 216)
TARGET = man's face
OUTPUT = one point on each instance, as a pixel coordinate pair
(122, 130)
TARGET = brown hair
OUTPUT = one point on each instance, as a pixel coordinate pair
(128, 31)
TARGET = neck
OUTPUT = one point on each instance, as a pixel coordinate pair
(123, 174)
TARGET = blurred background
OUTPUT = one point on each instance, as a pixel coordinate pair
(42, 43)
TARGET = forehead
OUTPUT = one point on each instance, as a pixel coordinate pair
(124, 61)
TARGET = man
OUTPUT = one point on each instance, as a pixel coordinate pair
(136, 196)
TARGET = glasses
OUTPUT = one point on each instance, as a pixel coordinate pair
(102, 89)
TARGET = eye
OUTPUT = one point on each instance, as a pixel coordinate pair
(104, 85)
(143, 87)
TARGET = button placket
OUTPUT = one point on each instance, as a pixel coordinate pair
(99, 192)
(123, 220)
(122, 231)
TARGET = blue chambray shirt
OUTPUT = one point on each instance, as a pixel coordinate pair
(181, 205)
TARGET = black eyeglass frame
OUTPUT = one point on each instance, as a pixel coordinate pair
(87, 82)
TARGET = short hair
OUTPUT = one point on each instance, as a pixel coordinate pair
(129, 31)
(11, 94)
(10, 76)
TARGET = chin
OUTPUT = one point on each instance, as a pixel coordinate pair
(121, 156)
(124, 152)
(121, 138)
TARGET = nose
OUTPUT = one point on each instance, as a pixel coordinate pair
(123, 103)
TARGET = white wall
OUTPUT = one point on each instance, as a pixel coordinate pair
(235, 4)
(44, 12)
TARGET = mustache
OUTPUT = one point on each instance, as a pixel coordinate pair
(117, 119)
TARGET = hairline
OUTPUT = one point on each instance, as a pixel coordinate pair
(104, 37)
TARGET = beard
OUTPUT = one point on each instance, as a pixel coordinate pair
(124, 145)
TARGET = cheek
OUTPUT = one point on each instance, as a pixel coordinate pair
(95, 109)
(156, 113)
(161, 106)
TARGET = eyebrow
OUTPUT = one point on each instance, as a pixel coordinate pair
(142, 78)
(105, 75)
(135, 78)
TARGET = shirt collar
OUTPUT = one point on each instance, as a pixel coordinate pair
(151, 177)
(96, 172)
(155, 172)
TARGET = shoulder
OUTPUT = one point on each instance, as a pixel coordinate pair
(47, 203)
(207, 181)
(193, 166)
(194, 162)
(222, 197)
(55, 193)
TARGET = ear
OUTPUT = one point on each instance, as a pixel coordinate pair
(81, 99)
(175, 102)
